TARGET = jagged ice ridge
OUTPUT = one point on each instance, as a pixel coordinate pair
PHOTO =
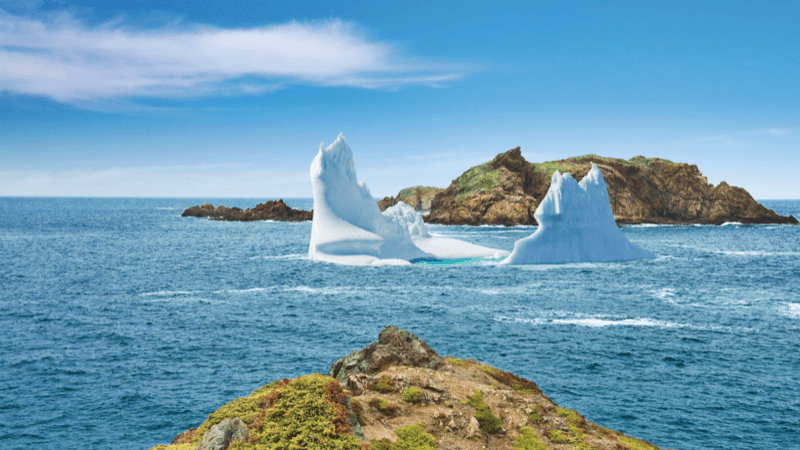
(576, 224)
(349, 228)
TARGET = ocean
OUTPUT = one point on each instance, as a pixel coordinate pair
(123, 324)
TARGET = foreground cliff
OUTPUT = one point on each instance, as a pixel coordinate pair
(399, 394)
(508, 189)
(271, 210)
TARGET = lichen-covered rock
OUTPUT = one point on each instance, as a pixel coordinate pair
(394, 346)
(220, 436)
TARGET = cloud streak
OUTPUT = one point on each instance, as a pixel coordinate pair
(66, 61)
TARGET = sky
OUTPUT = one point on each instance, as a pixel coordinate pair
(216, 99)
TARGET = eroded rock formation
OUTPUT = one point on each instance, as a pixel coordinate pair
(508, 189)
(271, 210)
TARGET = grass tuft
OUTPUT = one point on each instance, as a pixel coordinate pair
(412, 395)
(528, 440)
(489, 423)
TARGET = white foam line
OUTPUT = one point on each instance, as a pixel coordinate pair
(166, 293)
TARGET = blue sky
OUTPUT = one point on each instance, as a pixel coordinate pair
(211, 99)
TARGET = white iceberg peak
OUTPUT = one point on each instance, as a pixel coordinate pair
(576, 224)
(349, 228)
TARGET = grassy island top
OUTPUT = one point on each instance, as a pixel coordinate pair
(486, 176)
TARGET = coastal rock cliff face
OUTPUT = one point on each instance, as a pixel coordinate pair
(508, 189)
(399, 394)
(272, 210)
(417, 197)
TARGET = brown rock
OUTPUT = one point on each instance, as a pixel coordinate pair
(220, 436)
(271, 210)
(417, 197)
(394, 347)
(507, 191)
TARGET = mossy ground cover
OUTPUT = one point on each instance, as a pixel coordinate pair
(571, 163)
(384, 406)
(519, 384)
(412, 395)
(476, 179)
(383, 385)
(307, 412)
(489, 423)
(528, 440)
(412, 437)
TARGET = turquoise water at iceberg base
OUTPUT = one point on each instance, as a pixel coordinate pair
(123, 324)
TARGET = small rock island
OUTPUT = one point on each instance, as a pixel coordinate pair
(275, 210)
(399, 394)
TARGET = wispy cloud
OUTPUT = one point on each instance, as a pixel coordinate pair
(65, 60)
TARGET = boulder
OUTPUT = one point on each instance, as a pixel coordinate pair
(394, 347)
(220, 436)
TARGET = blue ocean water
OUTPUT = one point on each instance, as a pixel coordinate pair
(123, 324)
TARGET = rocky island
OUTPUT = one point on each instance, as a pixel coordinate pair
(399, 394)
(417, 197)
(275, 210)
(508, 189)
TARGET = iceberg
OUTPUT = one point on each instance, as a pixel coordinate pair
(575, 225)
(349, 228)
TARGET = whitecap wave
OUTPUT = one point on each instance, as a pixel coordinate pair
(791, 310)
(282, 257)
(167, 293)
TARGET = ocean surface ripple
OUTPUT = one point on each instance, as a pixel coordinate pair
(123, 324)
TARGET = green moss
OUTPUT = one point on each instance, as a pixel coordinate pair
(384, 385)
(412, 395)
(476, 179)
(559, 437)
(528, 440)
(303, 416)
(189, 446)
(457, 361)
(381, 444)
(516, 383)
(636, 444)
(550, 167)
(413, 437)
(572, 416)
(266, 389)
(489, 423)
(383, 406)
(535, 416)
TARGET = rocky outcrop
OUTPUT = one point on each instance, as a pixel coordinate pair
(394, 346)
(508, 189)
(272, 210)
(396, 394)
(417, 197)
(221, 435)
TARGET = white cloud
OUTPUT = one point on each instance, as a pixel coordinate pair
(67, 61)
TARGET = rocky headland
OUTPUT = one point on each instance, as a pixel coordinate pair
(275, 210)
(399, 394)
(508, 189)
